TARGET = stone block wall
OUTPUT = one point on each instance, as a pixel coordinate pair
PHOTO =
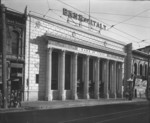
(35, 64)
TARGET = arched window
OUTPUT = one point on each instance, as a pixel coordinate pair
(15, 42)
(141, 69)
(135, 68)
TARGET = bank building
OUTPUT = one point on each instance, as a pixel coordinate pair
(66, 62)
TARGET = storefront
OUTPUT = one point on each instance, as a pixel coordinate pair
(14, 32)
(67, 62)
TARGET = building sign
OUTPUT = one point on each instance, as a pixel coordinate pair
(84, 51)
(80, 18)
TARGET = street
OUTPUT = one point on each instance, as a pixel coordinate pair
(112, 113)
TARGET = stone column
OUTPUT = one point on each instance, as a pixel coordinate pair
(74, 77)
(106, 70)
(114, 80)
(48, 95)
(62, 75)
(96, 86)
(110, 83)
(120, 94)
(86, 80)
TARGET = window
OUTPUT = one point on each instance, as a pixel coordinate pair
(141, 69)
(135, 68)
(37, 78)
(55, 71)
(15, 42)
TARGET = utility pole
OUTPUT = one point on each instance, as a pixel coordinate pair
(4, 71)
(89, 16)
(148, 79)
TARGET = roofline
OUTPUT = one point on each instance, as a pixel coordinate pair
(79, 29)
(140, 52)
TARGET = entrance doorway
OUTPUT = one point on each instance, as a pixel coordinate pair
(102, 80)
(80, 83)
(15, 82)
(16, 78)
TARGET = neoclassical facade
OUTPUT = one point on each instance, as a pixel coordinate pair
(67, 62)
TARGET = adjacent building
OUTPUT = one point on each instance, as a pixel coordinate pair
(136, 63)
(13, 26)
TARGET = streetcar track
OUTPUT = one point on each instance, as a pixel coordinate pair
(130, 115)
(105, 115)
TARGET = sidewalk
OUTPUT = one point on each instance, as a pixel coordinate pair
(77, 103)
(55, 104)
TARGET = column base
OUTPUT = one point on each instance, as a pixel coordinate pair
(113, 95)
(75, 97)
(62, 97)
(96, 96)
(119, 95)
(86, 96)
(106, 96)
(49, 98)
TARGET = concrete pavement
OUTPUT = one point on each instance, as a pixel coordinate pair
(56, 104)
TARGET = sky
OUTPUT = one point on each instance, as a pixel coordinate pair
(126, 21)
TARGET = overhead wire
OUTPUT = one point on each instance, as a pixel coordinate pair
(84, 25)
(79, 34)
(69, 18)
(104, 22)
(64, 21)
(78, 10)
(107, 13)
(113, 20)
(76, 33)
(126, 23)
(118, 14)
(130, 18)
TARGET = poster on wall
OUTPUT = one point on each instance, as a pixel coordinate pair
(140, 87)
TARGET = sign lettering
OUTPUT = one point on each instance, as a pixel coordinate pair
(80, 18)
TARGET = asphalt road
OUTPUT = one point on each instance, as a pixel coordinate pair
(113, 113)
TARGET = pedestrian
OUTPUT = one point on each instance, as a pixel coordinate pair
(12, 98)
(15, 98)
(127, 95)
(19, 99)
(8, 100)
(1, 99)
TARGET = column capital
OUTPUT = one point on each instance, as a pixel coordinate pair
(76, 53)
(62, 50)
(107, 60)
(50, 49)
